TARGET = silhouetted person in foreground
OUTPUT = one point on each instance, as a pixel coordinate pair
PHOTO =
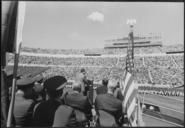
(45, 111)
(109, 107)
(25, 100)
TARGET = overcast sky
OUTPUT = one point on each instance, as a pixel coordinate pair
(64, 25)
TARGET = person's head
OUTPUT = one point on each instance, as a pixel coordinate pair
(77, 86)
(54, 86)
(38, 84)
(83, 71)
(118, 85)
(111, 86)
(27, 87)
(105, 82)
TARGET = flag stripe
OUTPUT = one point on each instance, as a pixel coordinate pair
(131, 108)
(134, 93)
(133, 118)
(128, 85)
(133, 115)
(129, 93)
(126, 79)
(127, 76)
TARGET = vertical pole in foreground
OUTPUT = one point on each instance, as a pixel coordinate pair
(131, 23)
(21, 6)
(132, 42)
(11, 108)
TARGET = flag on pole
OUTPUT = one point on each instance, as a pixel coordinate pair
(13, 20)
(13, 13)
(20, 23)
(129, 89)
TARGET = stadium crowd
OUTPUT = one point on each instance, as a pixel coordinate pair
(51, 99)
(164, 70)
(145, 50)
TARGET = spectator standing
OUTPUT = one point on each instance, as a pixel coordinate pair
(102, 89)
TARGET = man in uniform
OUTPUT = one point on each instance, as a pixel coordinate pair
(45, 111)
(24, 101)
(108, 106)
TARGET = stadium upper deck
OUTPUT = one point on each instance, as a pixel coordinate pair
(149, 40)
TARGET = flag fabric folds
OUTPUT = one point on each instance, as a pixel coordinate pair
(12, 21)
(129, 89)
(13, 13)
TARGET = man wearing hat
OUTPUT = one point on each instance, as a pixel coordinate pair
(24, 101)
(44, 112)
(108, 106)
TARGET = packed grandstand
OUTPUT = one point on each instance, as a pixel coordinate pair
(152, 65)
(158, 74)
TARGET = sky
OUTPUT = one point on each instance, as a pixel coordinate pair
(80, 25)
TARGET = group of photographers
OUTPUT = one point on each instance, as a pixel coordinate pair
(50, 102)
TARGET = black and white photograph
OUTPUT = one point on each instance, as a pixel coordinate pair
(92, 64)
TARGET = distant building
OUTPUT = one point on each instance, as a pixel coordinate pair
(150, 40)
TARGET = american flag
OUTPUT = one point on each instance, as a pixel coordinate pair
(129, 89)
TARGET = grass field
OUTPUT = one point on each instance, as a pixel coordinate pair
(151, 121)
(176, 103)
(171, 111)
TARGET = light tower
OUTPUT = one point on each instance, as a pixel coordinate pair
(131, 22)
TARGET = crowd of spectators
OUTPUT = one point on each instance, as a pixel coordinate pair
(174, 77)
(140, 50)
(164, 70)
(172, 48)
(159, 61)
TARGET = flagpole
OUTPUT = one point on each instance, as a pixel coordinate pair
(11, 108)
(131, 22)
(17, 46)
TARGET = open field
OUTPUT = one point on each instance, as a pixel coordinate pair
(151, 121)
(176, 103)
(168, 111)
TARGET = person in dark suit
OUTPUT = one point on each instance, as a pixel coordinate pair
(76, 108)
(118, 92)
(25, 101)
(76, 99)
(102, 89)
(109, 105)
(45, 111)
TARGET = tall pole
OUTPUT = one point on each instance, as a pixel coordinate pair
(131, 23)
(139, 114)
(18, 40)
(11, 108)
